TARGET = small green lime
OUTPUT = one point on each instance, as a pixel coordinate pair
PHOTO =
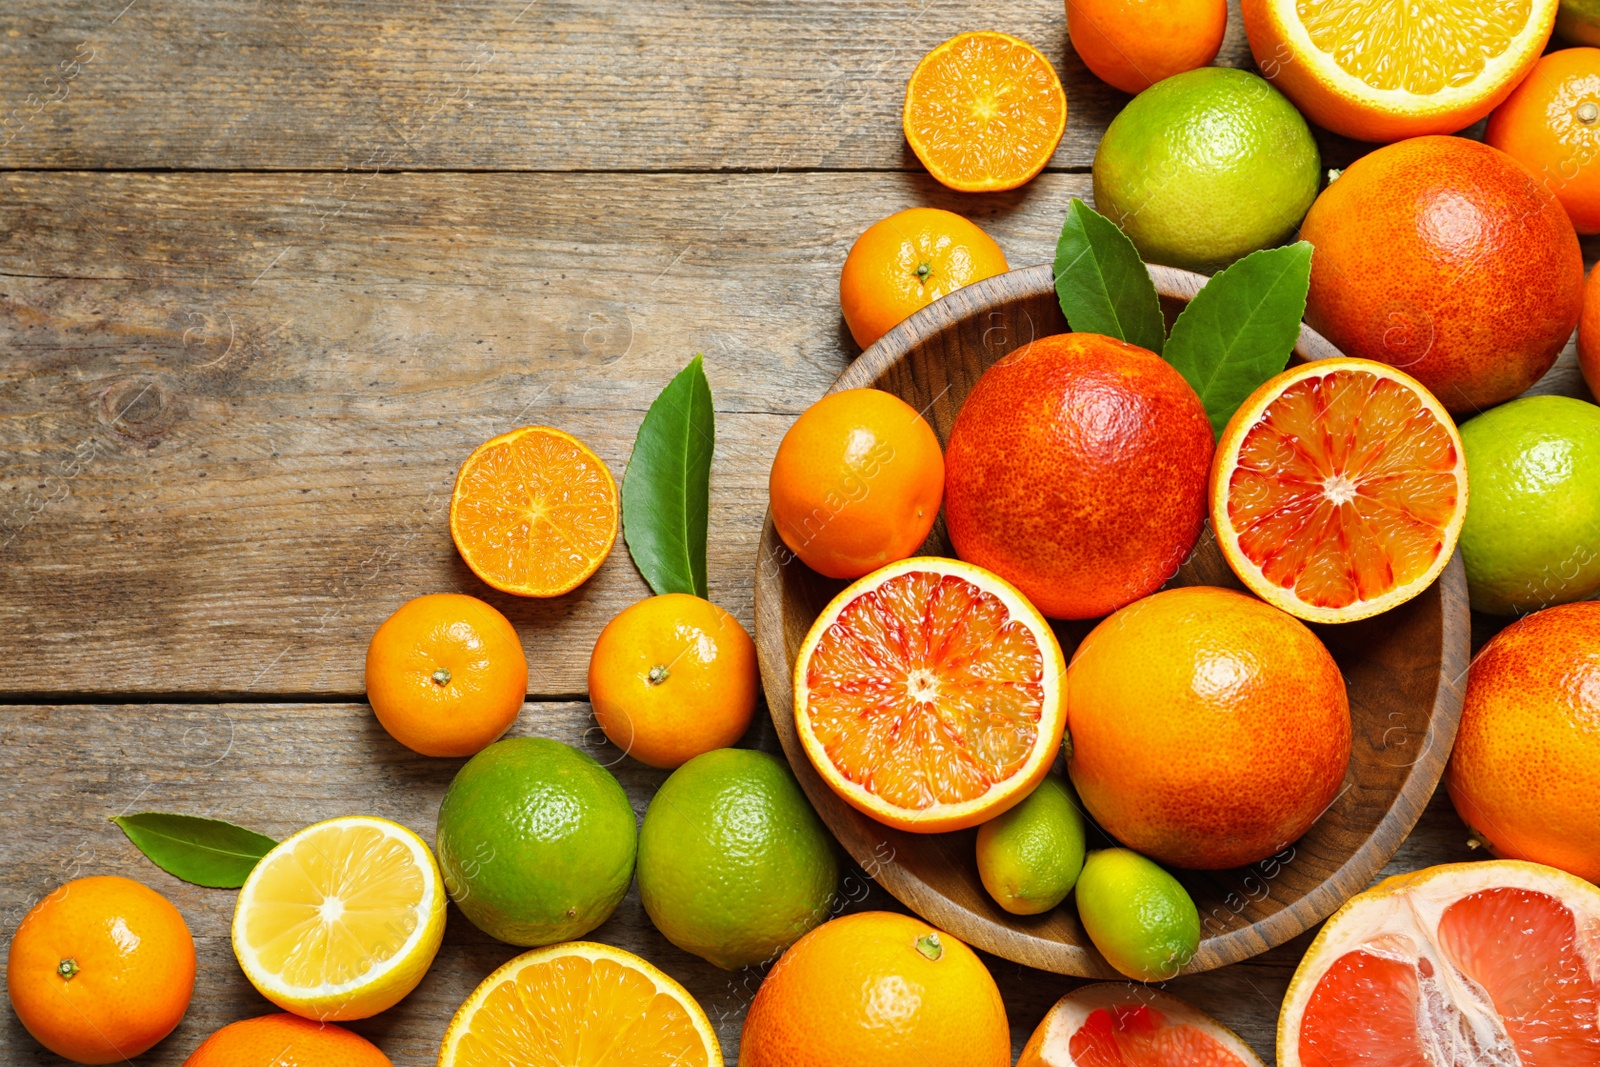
(1579, 21)
(536, 841)
(1139, 916)
(1205, 167)
(1029, 857)
(1532, 534)
(734, 865)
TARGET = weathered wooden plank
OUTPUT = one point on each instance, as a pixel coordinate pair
(279, 767)
(499, 84)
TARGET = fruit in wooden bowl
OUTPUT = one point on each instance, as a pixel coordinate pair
(1398, 667)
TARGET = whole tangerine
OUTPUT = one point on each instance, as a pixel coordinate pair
(286, 1041)
(1589, 334)
(671, 677)
(905, 262)
(1132, 44)
(101, 969)
(1208, 729)
(878, 988)
(1551, 124)
(446, 674)
(1525, 770)
(1077, 471)
(856, 483)
(1446, 258)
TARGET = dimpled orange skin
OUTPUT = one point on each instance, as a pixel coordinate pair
(1541, 125)
(1445, 258)
(134, 962)
(1589, 334)
(905, 262)
(858, 991)
(285, 1041)
(1132, 44)
(1525, 770)
(1077, 471)
(485, 674)
(856, 483)
(1208, 729)
(672, 677)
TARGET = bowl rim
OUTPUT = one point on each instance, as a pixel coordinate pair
(1015, 942)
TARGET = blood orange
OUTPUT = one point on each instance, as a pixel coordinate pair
(1491, 964)
(1120, 1024)
(1339, 489)
(928, 695)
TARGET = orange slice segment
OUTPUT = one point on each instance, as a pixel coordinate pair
(580, 1004)
(1338, 489)
(928, 695)
(1494, 963)
(1124, 1025)
(984, 111)
(534, 512)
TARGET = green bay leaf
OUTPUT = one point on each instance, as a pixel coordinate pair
(1239, 330)
(666, 490)
(1102, 283)
(206, 852)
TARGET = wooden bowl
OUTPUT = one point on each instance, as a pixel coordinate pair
(1403, 670)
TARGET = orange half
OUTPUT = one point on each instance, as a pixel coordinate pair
(534, 512)
(929, 695)
(1493, 963)
(580, 1004)
(1338, 489)
(1122, 1024)
(984, 111)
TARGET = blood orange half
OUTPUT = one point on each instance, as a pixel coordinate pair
(1338, 489)
(1492, 964)
(929, 695)
(1120, 1024)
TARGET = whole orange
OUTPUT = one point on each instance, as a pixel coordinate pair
(1525, 771)
(1589, 334)
(1445, 258)
(905, 262)
(1208, 729)
(877, 988)
(672, 677)
(446, 674)
(1077, 471)
(285, 1041)
(856, 483)
(1132, 44)
(101, 969)
(1551, 124)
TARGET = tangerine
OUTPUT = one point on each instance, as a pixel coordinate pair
(1132, 44)
(1589, 334)
(285, 1041)
(1551, 124)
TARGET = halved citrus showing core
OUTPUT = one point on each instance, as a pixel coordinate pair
(534, 512)
(1494, 964)
(341, 920)
(1380, 71)
(1338, 489)
(929, 695)
(580, 1004)
(984, 111)
(1120, 1024)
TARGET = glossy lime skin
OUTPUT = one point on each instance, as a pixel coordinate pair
(536, 841)
(1532, 533)
(734, 866)
(1029, 857)
(1205, 167)
(1140, 918)
(1579, 21)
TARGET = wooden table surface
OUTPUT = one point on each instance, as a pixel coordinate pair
(269, 271)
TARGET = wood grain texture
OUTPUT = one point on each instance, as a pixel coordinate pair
(279, 767)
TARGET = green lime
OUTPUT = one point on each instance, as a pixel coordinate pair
(1532, 534)
(1579, 21)
(536, 841)
(1139, 916)
(1207, 166)
(734, 865)
(1030, 856)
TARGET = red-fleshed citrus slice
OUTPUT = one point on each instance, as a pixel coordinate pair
(1123, 1024)
(929, 695)
(1338, 489)
(1493, 964)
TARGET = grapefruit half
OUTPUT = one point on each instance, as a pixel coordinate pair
(1121, 1024)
